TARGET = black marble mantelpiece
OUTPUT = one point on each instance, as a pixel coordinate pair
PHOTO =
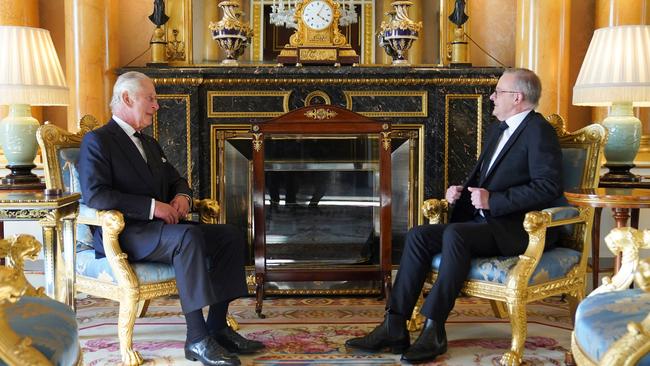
(452, 103)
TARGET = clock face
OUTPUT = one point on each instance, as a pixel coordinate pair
(317, 15)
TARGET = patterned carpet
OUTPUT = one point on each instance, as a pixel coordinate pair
(311, 331)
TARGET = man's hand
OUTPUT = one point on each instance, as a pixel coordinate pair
(181, 204)
(480, 198)
(166, 212)
(453, 193)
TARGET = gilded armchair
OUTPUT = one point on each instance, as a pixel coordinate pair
(35, 329)
(113, 277)
(512, 282)
(612, 325)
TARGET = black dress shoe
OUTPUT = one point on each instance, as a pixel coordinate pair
(210, 353)
(235, 343)
(391, 333)
(431, 343)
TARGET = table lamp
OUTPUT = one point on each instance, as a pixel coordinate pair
(30, 74)
(616, 73)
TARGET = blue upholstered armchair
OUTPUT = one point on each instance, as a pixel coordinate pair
(612, 325)
(34, 329)
(512, 282)
(113, 277)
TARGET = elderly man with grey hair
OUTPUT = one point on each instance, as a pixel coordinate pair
(120, 168)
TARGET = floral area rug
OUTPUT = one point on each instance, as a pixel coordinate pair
(311, 331)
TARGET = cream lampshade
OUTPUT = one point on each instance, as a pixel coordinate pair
(616, 73)
(30, 74)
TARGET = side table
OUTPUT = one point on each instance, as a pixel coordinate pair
(57, 217)
(621, 201)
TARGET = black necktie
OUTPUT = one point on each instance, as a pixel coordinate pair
(488, 155)
(145, 146)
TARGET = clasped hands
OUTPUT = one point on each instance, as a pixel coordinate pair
(480, 196)
(172, 212)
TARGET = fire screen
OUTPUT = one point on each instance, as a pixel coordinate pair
(321, 201)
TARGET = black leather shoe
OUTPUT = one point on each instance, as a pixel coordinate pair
(235, 343)
(210, 353)
(431, 343)
(391, 333)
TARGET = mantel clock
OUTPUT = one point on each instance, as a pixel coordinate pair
(317, 39)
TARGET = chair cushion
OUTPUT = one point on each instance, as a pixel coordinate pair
(68, 158)
(146, 272)
(84, 234)
(554, 263)
(602, 319)
(51, 325)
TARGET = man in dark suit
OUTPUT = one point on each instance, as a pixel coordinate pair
(122, 169)
(518, 171)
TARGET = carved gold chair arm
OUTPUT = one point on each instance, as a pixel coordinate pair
(435, 210)
(536, 223)
(208, 210)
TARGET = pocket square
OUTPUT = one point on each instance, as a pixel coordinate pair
(163, 160)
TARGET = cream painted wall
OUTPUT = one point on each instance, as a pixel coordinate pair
(492, 24)
(135, 30)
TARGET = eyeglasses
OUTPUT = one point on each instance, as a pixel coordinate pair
(497, 92)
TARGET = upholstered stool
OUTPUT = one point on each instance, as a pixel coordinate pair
(602, 319)
(50, 325)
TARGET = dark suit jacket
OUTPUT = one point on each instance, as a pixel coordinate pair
(114, 176)
(526, 176)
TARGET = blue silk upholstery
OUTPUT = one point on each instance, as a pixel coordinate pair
(146, 272)
(51, 325)
(555, 263)
(602, 319)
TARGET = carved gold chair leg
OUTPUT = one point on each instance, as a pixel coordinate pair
(499, 309)
(232, 323)
(416, 321)
(143, 306)
(125, 323)
(517, 314)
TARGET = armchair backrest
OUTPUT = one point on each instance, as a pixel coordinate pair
(581, 160)
(60, 149)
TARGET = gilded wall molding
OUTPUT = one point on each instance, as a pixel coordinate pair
(479, 127)
(368, 51)
(188, 141)
(178, 81)
(422, 94)
(256, 48)
(363, 81)
(284, 94)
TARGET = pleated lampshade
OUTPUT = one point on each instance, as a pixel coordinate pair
(616, 68)
(30, 72)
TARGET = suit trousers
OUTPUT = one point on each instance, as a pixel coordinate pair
(208, 262)
(458, 243)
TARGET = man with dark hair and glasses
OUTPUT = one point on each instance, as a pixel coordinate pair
(518, 171)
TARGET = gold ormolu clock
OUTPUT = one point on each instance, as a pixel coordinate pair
(317, 39)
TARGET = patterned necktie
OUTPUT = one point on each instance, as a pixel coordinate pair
(488, 156)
